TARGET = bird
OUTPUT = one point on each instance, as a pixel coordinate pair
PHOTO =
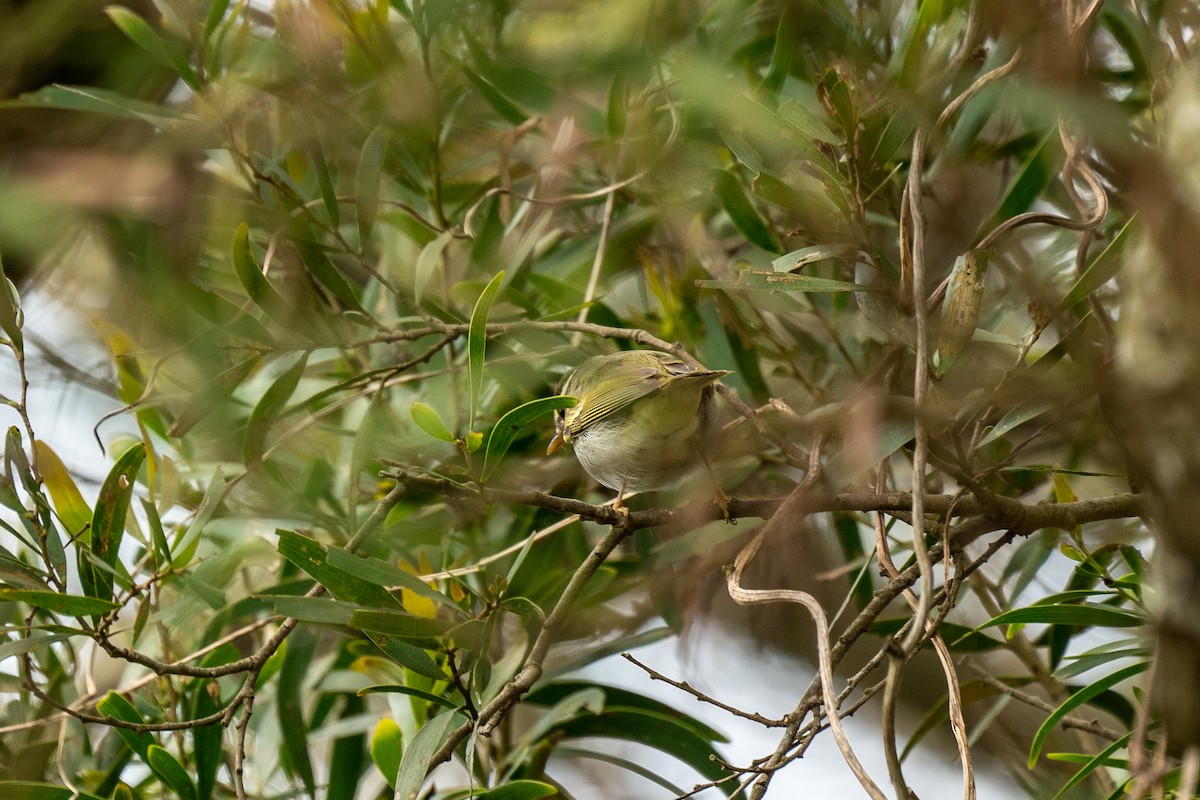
(642, 421)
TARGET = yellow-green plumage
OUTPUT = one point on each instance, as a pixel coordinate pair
(642, 419)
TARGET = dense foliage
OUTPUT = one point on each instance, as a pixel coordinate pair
(341, 252)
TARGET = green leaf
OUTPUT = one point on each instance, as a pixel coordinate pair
(587, 700)
(408, 656)
(756, 281)
(12, 318)
(250, 274)
(745, 218)
(310, 556)
(68, 500)
(119, 707)
(427, 262)
(206, 740)
(267, 409)
(428, 420)
(553, 693)
(170, 772)
(211, 395)
(28, 790)
(216, 11)
(297, 658)
(314, 610)
(325, 183)
(504, 432)
(1102, 269)
(398, 624)
(30, 643)
(415, 762)
(798, 259)
(1038, 171)
(519, 790)
(1079, 614)
(663, 732)
(317, 262)
(477, 340)
(108, 521)
(367, 182)
(1017, 416)
(890, 437)
(615, 116)
(71, 604)
(495, 98)
(346, 757)
(395, 688)
(1101, 759)
(169, 54)
(189, 537)
(97, 101)
(385, 574)
(1077, 699)
(386, 749)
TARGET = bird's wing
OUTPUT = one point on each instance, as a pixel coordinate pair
(623, 384)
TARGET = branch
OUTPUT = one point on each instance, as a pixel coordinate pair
(994, 512)
(491, 714)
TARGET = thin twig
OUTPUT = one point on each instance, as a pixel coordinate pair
(683, 686)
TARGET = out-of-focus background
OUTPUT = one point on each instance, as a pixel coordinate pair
(285, 284)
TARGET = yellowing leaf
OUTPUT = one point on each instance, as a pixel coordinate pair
(67, 499)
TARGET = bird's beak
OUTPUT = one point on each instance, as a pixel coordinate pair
(555, 443)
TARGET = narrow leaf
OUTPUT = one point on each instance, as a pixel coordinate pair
(519, 790)
(11, 316)
(207, 739)
(119, 707)
(1074, 701)
(367, 181)
(504, 432)
(310, 556)
(1102, 269)
(68, 500)
(755, 281)
(170, 772)
(1017, 416)
(495, 98)
(251, 276)
(1101, 759)
(415, 763)
(1081, 614)
(74, 605)
(108, 521)
(477, 340)
(811, 255)
(392, 688)
(169, 54)
(28, 790)
(266, 411)
(428, 262)
(743, 215)
(97, 101)
(398, 624)
(211, 395)
(382, 573)
(293, 727)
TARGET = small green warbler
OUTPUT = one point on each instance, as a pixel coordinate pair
(641, 421)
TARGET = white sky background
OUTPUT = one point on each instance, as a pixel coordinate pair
(734, 670)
